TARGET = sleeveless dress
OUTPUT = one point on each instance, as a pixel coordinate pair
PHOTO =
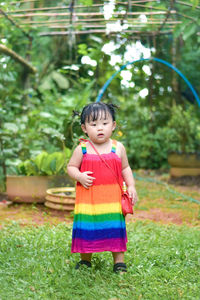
(99, 224)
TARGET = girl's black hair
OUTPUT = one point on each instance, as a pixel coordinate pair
(92, 111)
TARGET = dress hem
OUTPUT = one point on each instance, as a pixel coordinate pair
(108, 250)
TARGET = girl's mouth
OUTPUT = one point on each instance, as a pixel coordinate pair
(100, 135)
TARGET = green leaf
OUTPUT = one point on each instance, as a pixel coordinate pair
(60, 80)
(59, 159)
(53, 166)
(195, 3)
(46, 84)
(40, 158)
(82, 49)
(178, 30)
(21, 169)
(86, 2)
(189, 30)
(67, 153)
(45, 166)
(11, 127)
(45, 114)
(28, 168)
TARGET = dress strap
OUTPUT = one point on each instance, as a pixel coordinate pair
(83, 147)
(114, 146)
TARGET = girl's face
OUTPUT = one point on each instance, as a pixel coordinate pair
(100, 130)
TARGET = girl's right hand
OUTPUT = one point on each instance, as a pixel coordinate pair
(86, 180)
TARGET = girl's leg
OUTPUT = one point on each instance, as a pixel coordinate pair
(86, 256)
(118, 257)
(119, 265)
(85, 260)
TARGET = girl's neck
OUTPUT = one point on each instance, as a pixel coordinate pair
(101, 148)
(101, 145)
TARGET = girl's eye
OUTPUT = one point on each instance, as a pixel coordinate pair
(105, 123)
(93, 124)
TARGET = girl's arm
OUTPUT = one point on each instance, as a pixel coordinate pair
(128, 175)
(73, 169)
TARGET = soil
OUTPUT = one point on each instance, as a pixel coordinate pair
(185, 181)
(157, 215)
(38, 214)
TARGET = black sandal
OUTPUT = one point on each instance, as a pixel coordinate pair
(83, 262)
(120, 267)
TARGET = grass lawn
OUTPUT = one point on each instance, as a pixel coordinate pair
(169, 201)
(163, 259)
(36, 263)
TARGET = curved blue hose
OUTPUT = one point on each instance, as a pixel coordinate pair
(102, 90)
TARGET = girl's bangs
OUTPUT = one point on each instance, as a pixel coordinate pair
(97, 113)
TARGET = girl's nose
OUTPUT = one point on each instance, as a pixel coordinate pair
(99, 127)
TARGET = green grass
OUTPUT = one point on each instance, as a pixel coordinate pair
(156, 196)
(36, 263)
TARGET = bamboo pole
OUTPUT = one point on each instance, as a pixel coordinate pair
(48, 8)
(26, 1)
(91, 14)
(185, 16)
(101, 25)
(167, 15)
(86, 6)
(84, 20)
(67, 7)
(63, 20)
(96, 27)
(61, 33)
(104, 24)
(188, 4)
(150, 7)
(18, 58)
(71, 36)
(133, 2)
(25, 78)
(14, 23)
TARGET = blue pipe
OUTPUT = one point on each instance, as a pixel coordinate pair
(102, 90)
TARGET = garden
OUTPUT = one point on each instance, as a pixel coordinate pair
(55, 58)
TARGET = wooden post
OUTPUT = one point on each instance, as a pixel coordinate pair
(175, 88)
(25, 75)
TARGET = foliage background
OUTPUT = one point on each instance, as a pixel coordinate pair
(36, 111)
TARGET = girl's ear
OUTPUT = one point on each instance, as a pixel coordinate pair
(84, 128)
(114, 126)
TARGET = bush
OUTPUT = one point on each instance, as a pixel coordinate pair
(148, 143)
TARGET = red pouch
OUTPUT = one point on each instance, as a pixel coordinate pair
(127, 207)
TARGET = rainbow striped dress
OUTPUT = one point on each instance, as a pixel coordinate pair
(99, 224)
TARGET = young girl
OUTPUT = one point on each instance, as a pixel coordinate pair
(99, 224)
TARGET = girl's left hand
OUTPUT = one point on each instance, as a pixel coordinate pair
(132, 194)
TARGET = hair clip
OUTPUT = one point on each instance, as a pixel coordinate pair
(76, 113)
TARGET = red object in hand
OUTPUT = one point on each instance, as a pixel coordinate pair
(127, 207)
